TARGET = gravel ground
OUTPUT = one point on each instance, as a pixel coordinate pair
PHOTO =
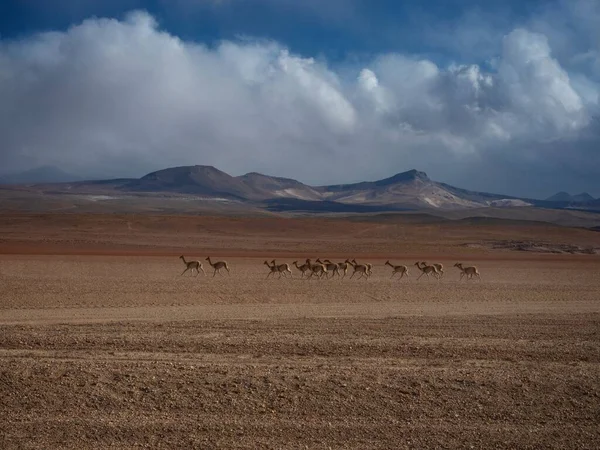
(122, 352)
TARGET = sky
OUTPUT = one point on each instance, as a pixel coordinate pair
(496, 96)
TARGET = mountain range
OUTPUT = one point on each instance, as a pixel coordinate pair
(562, 196)
(44, 174)
(407, 190)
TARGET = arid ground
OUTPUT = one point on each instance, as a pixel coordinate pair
(103, 344)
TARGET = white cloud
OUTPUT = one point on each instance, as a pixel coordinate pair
(123, 97)
(537, 87)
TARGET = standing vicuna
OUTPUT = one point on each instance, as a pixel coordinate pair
(281, 269)
(191, 265)
(469, 271)
(401, 269)
(427, 270)
(218, 266)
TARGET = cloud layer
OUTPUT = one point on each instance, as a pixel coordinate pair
(121, 98)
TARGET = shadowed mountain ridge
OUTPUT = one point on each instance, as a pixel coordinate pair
(411, 189)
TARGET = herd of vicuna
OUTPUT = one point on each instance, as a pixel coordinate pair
(328, 269)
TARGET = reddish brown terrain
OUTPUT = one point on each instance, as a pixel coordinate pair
(104, 344)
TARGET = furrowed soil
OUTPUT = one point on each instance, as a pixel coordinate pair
(104, 344)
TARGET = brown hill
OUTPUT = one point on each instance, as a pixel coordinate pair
(199, 180)
(266, 187)
(407, 190)
(414, 189)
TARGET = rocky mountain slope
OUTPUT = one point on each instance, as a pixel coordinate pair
(411, 189)
(407, 190)
(566, 197)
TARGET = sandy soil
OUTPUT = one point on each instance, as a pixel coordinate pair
(101, 347)
(393, 236)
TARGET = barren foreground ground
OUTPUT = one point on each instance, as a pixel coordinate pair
(102, 350)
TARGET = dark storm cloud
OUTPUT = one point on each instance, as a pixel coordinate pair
(122, 97)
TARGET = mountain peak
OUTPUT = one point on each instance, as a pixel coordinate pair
(404, 177)
(251, 175)
(198, 168)
(182, 170)
(566, 197)
(414, 173)
(561, 196)
(204, 167)
(583, 197)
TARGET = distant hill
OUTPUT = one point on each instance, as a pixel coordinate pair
(209, 181)
(410, 190)
(414, 189)
(406, 190)
(199, 180)
(44, 174)
(562, 196)
(265, 186)
(583, 198)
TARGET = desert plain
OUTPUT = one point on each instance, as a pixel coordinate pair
(104, 344)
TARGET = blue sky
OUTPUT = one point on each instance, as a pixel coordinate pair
(336, 28)
(496, 95)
